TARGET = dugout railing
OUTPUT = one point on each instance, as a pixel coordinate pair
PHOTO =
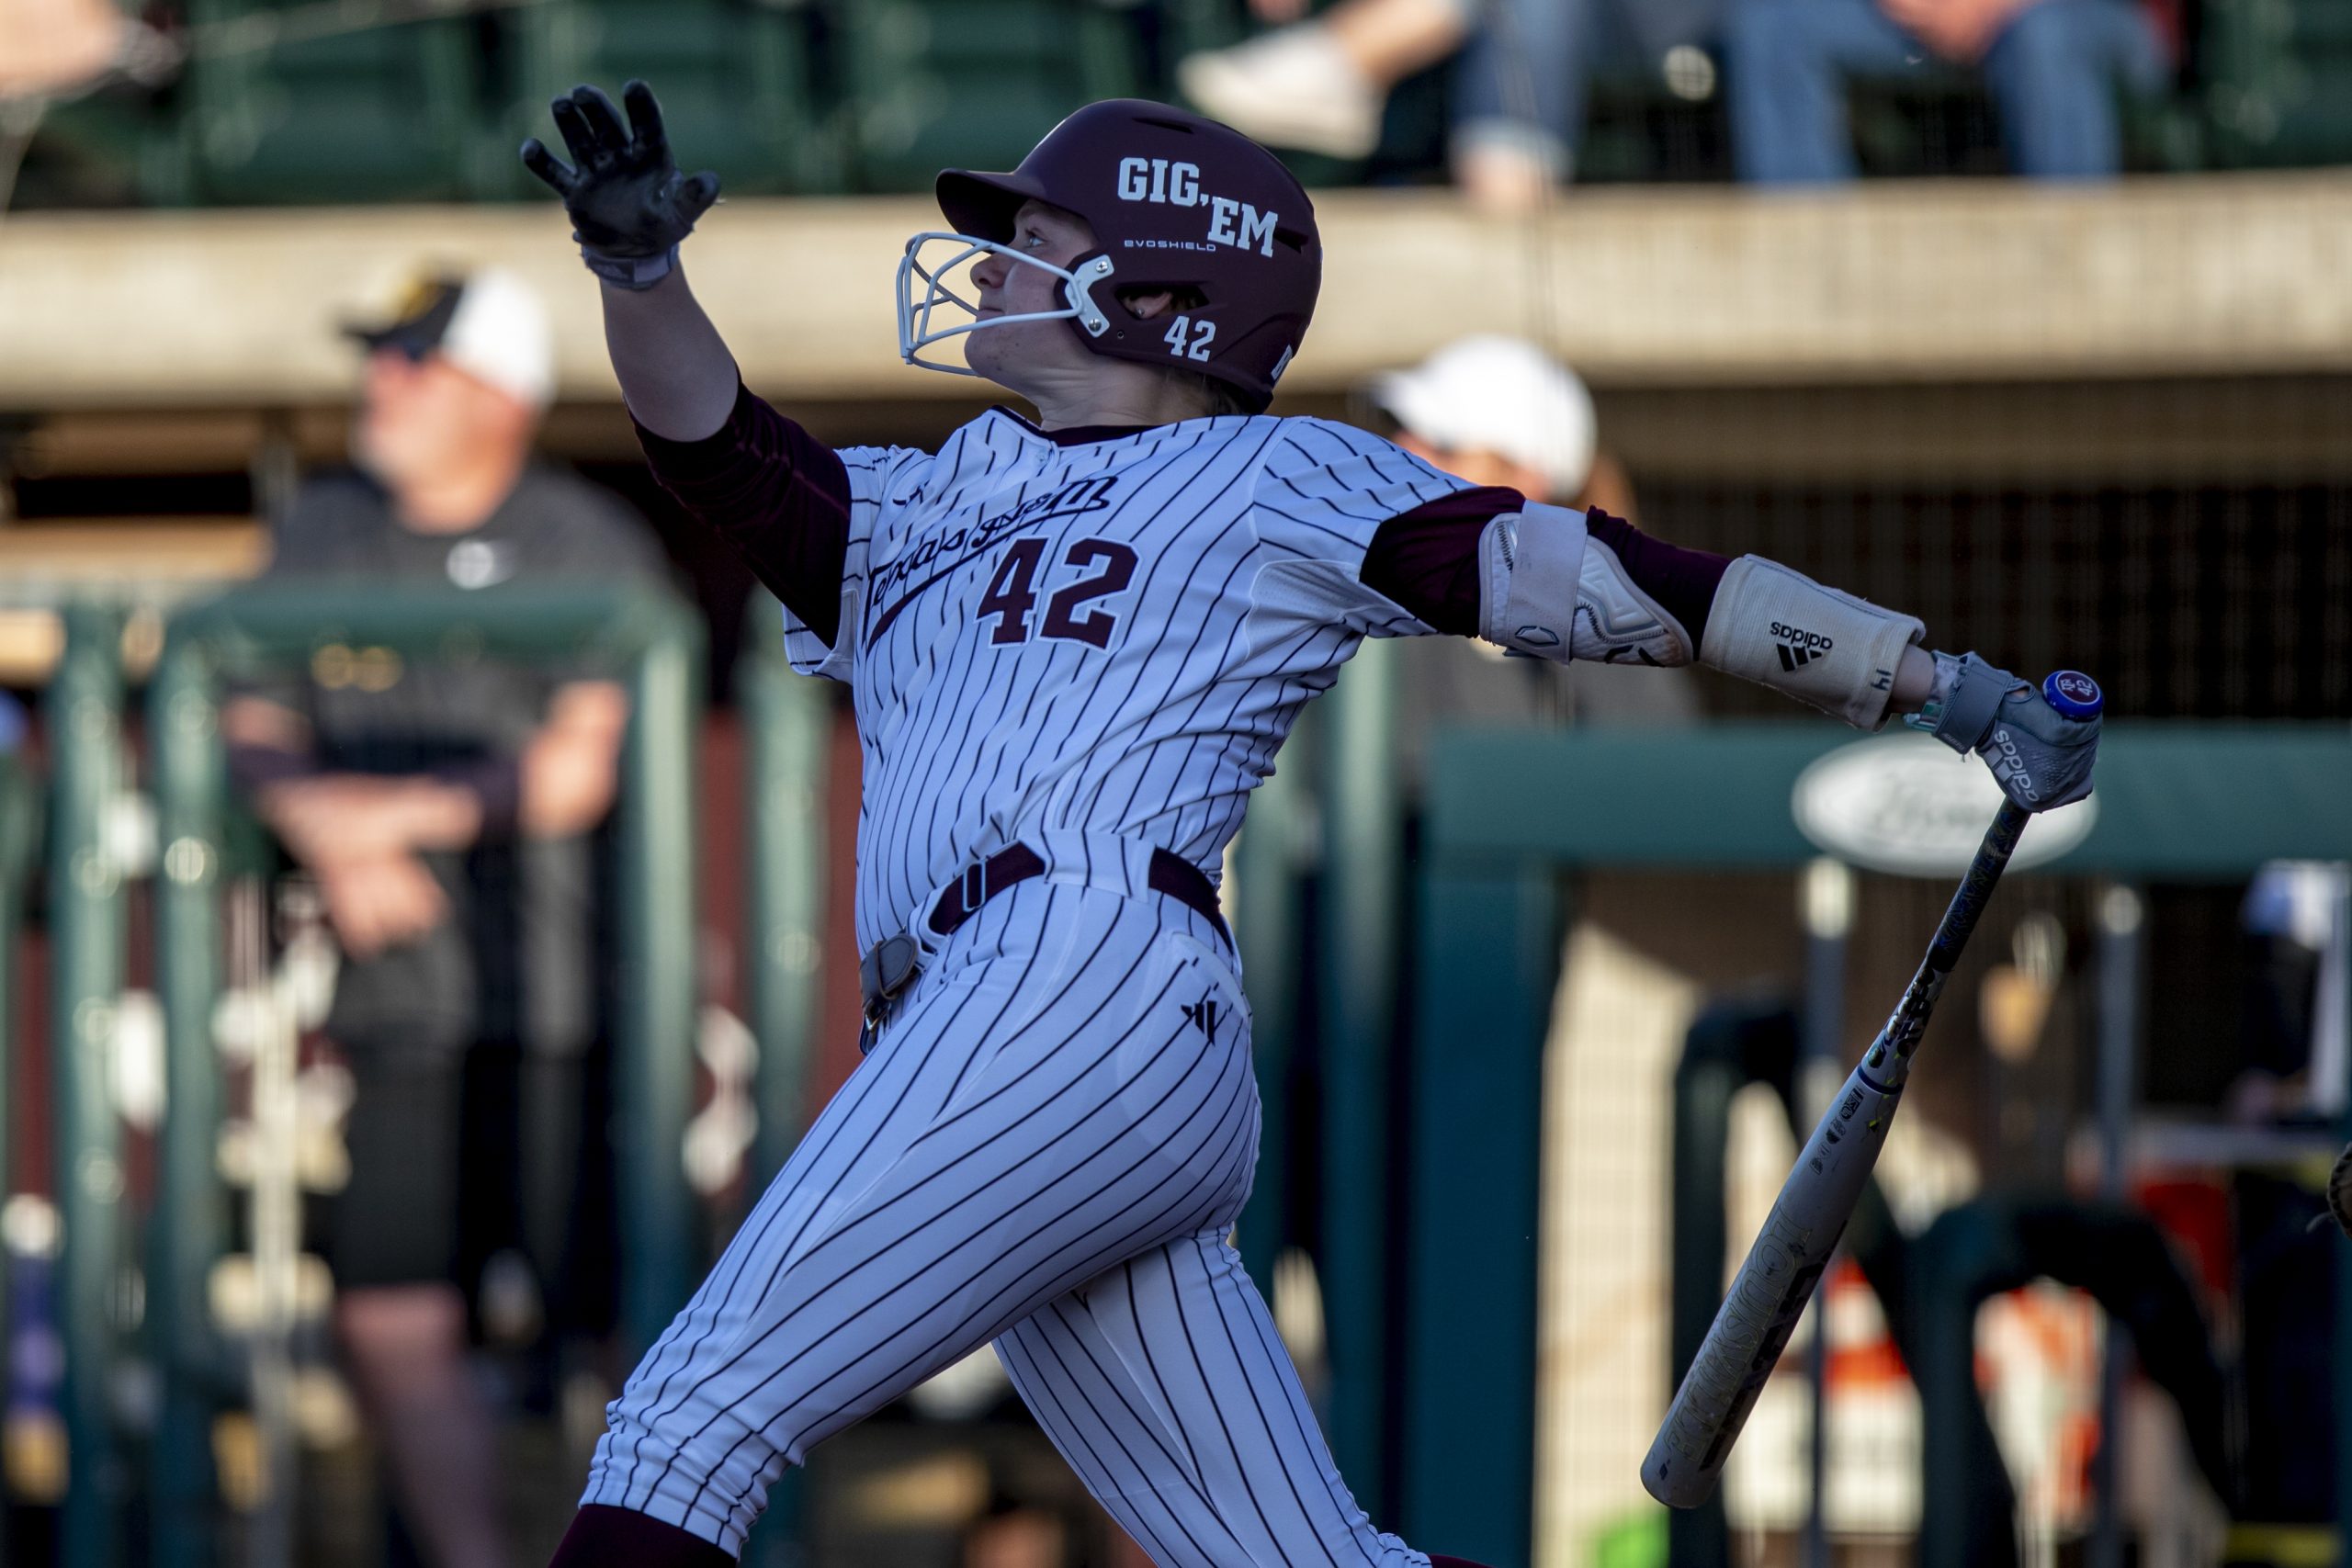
(20, 825)
(788, 720)
(646, 639)
(88, 932)
(1506, 816)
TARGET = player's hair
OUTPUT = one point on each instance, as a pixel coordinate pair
(1222, 397)
(1219, 397)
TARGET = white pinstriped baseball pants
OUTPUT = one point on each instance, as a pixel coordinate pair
(1047, 1150)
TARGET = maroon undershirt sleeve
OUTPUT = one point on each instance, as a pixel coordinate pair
(605, 1537)
(1427, 561)
(778, 494)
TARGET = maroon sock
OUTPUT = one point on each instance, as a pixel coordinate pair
(1437, 1561)
(603, 1536)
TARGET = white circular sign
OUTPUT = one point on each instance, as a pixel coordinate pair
(1910, 804)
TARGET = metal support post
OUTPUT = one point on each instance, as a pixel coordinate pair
(654, 1089)
(1489, 949)
(2339, 954)
(2121, 938)
(191, 1228)
(1264, 902)
(17, 839)
(1363, 900)
(88, 930)
(1827, 909)
(789, 752)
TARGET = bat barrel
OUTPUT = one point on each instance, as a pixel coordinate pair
(1774, 1283)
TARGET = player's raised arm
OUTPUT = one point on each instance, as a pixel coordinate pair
(629, 208)
(779, 497)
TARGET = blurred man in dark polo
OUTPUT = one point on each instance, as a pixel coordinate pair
(442, 809)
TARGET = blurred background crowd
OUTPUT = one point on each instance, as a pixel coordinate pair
(422, 891)
(230, 101)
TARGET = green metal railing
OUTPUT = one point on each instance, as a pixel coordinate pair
(790, 723)
(654, 643)
(1363, 911)
(19, 839)
(87, 936)
(1266, 902)
(790, 720)
(191, 1229)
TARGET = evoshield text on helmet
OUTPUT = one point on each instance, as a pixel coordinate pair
(1178, 204)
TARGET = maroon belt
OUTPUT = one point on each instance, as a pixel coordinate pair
(885, 969)
(1170, 874)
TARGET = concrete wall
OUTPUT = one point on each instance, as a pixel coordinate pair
(1889, 283)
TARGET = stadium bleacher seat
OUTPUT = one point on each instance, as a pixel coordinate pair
(111, 149)
(2277, 82)
(385, 112)
(1179, 28)
(737, 79)
(975, 82)
(1638, 129)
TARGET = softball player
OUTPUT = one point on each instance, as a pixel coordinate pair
(1075, 644)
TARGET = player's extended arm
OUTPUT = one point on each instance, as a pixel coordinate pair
(629, 208)
(1555, 584)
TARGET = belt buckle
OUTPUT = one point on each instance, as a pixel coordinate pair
(974, 889)
(884, 971)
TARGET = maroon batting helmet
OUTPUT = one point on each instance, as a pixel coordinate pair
(1177, 203)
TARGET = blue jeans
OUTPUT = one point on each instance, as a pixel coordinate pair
(1521, 77)
(2052, 74)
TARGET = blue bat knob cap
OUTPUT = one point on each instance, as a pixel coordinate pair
(2073, 694)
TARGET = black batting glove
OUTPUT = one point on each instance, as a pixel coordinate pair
(628, 204)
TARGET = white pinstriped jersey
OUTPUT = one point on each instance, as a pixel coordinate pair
(1106, 639)
(1091, 649)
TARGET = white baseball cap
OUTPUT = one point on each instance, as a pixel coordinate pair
(488, 323)
(1489, 393)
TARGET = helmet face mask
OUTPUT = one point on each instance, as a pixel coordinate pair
(925, 285)
(1176, 204)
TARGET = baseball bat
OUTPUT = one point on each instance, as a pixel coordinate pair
(1781, 1269)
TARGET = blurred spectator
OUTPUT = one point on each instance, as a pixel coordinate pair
(1519, 91)
(2053, 67)
(1014, 1534)
(56, 47)
(1499, 411)
(2297, 923)
(441, 808)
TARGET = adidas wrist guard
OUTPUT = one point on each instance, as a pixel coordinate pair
(1549, 589)
(1827, 649)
